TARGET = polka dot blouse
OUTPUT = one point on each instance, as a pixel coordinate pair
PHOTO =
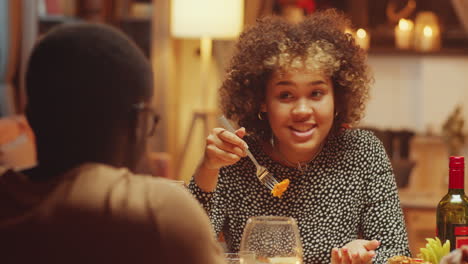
(347, 192)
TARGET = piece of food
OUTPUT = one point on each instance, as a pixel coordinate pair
(280, 188)
(263, 260)
(431, 254)
(434, 250)
(405, 260)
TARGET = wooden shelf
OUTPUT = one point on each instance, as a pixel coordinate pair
(48, 22)
(57, 19)
(427, 186)
(139, 29)
(392, 51)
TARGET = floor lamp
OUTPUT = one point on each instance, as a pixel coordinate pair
(205, 20)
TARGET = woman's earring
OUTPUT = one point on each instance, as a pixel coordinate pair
(259, 115)
(336, 114)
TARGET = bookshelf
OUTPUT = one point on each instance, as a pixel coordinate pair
(132, 17)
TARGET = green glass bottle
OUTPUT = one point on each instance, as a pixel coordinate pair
(452, 210)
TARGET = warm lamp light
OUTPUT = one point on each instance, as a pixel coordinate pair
(207, 18)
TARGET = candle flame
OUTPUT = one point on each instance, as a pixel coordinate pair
(427, 31)
(361, 33)
(348, 30)
(405, 24)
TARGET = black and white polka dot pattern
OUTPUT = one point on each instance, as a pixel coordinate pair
(347, 192)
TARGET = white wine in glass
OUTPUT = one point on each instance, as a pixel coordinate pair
(273, 239)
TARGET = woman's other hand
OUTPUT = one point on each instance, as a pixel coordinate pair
(355, 252)
(457, 256)
(223, 148)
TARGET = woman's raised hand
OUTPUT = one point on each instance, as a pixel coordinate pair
(356, 251)
(224, 148)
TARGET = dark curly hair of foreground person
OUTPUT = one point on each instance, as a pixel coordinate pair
(273, 44)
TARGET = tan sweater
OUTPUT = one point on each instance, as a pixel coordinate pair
(100, 214)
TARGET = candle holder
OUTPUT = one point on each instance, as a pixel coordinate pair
(427, 32)
(404, 34)
(362, 38)
(292, 13)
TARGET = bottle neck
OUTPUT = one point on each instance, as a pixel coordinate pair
(456, 192)
(456, 179)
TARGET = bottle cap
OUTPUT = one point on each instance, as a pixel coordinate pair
(457, 162)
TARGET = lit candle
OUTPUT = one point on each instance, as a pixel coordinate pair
(427, 32)
(348, 31)
(404, 34)
(362, 39)
(427, 40)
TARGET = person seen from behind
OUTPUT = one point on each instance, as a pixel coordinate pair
(90, 94)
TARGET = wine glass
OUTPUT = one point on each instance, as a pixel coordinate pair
(240, 258)
(273, 239)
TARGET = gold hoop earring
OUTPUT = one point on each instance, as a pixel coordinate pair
(259, 115)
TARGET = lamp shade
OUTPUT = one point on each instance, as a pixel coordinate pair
(207, 18)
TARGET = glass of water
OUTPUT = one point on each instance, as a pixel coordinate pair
(273, 239)
(240, 258)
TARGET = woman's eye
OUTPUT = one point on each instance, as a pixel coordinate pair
(285, 95)
(317, 93)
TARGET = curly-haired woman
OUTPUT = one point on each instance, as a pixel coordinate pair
(295, 90)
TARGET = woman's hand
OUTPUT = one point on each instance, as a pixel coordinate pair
(457, 256)
(356, 251)
(223, 148)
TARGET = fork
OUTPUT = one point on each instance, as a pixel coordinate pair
(263, 175)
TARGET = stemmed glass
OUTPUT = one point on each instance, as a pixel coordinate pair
(273, 239)
(240, 258)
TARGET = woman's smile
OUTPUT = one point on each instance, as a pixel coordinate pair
(303, 132)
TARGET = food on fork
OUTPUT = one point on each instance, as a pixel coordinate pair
(280, 188)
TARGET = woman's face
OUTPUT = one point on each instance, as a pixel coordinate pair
(300, 109)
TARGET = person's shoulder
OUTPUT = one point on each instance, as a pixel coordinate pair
(357, 135)
(180, 218)
(170, 202)
(160, 210)
(121, 190)
(3, 170)
(355, 139)
(156, 193)
(144, 197)
(138, 196)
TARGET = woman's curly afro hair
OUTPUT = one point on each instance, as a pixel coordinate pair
(273, 44)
